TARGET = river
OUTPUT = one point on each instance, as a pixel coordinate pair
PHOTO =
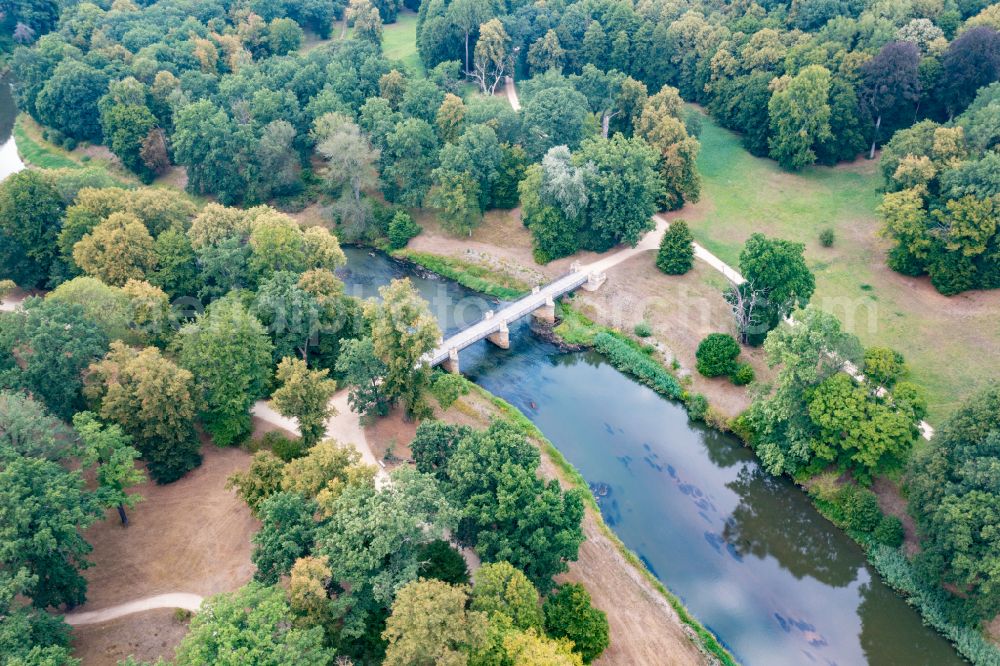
(10, 161)
(746, 552)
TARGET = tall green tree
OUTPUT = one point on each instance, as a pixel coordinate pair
(555, 116)
(363, 372)
(68, 100)
(109, 450)
(304, 394)
(372, 538)
(286, 533)
(53, 343)
(569, 614)
(806, 355)
(408, 158)
(953, 491)
(153, 401)
(622, 189)
(228, 352)
(676, 253)
(250, 626)
(403, 330)
(507, 512)
(430, 624)
(800, 116)
(43, 508)
(30, 214)
(777, 282)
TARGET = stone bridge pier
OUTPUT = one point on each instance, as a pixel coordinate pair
(450, 364)
(546, 312)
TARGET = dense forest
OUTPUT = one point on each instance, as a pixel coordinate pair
(223, 90)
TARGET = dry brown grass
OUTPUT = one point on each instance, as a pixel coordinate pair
(192, 535)
(147, 636)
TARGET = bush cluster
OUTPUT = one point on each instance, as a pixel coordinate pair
(627, 358)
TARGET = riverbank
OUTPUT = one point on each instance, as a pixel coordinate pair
(637, 292)
(896, 569)
(648, 624)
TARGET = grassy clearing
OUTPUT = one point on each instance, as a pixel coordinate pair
(39, 153)
(950, 343)
(399, 42)
(472, 276)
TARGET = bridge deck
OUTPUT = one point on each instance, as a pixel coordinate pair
(506, 315)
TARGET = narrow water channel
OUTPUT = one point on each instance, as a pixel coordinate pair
(746, 552)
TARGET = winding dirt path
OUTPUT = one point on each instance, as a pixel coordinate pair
(344, 427)
(185, 600)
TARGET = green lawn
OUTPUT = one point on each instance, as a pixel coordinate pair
(38, 153)
(399, 41)
(951, 344)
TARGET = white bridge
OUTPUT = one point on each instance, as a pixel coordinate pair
(493, 326)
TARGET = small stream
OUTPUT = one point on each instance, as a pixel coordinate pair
(746, 552)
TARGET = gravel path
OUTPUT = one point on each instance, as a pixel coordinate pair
(185, 600)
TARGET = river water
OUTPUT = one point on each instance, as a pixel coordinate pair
(10, 162)
(746, 552)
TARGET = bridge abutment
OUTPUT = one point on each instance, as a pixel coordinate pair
(594, 281)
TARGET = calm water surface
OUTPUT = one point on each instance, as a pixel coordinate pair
(747, 553)
(10, 162)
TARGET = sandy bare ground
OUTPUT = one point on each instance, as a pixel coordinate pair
(148, 636)
(645, 629)
(191, 536)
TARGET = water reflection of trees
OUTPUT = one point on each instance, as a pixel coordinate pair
(773, 518)
(722, 449)
(892, 632)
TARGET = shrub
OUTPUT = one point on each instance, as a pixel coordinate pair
(826, 238)
(859, 507)
(676, 254)
(883, 365)
(742, 374)
(643, 329)
(440, 561)
(889, 532)
(717, 354)
(697, 405)
(569, 614)
(447, 388)
(285, 448)
(908, 395)
(401, 229)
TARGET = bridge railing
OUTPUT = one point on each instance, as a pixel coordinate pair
(509, 313)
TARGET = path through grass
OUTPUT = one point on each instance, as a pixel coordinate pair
(951, 344)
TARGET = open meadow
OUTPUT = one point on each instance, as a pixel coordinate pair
(952, 344)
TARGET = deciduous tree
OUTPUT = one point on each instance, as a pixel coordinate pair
(305, 395)
(228, 352)
(152, 399)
